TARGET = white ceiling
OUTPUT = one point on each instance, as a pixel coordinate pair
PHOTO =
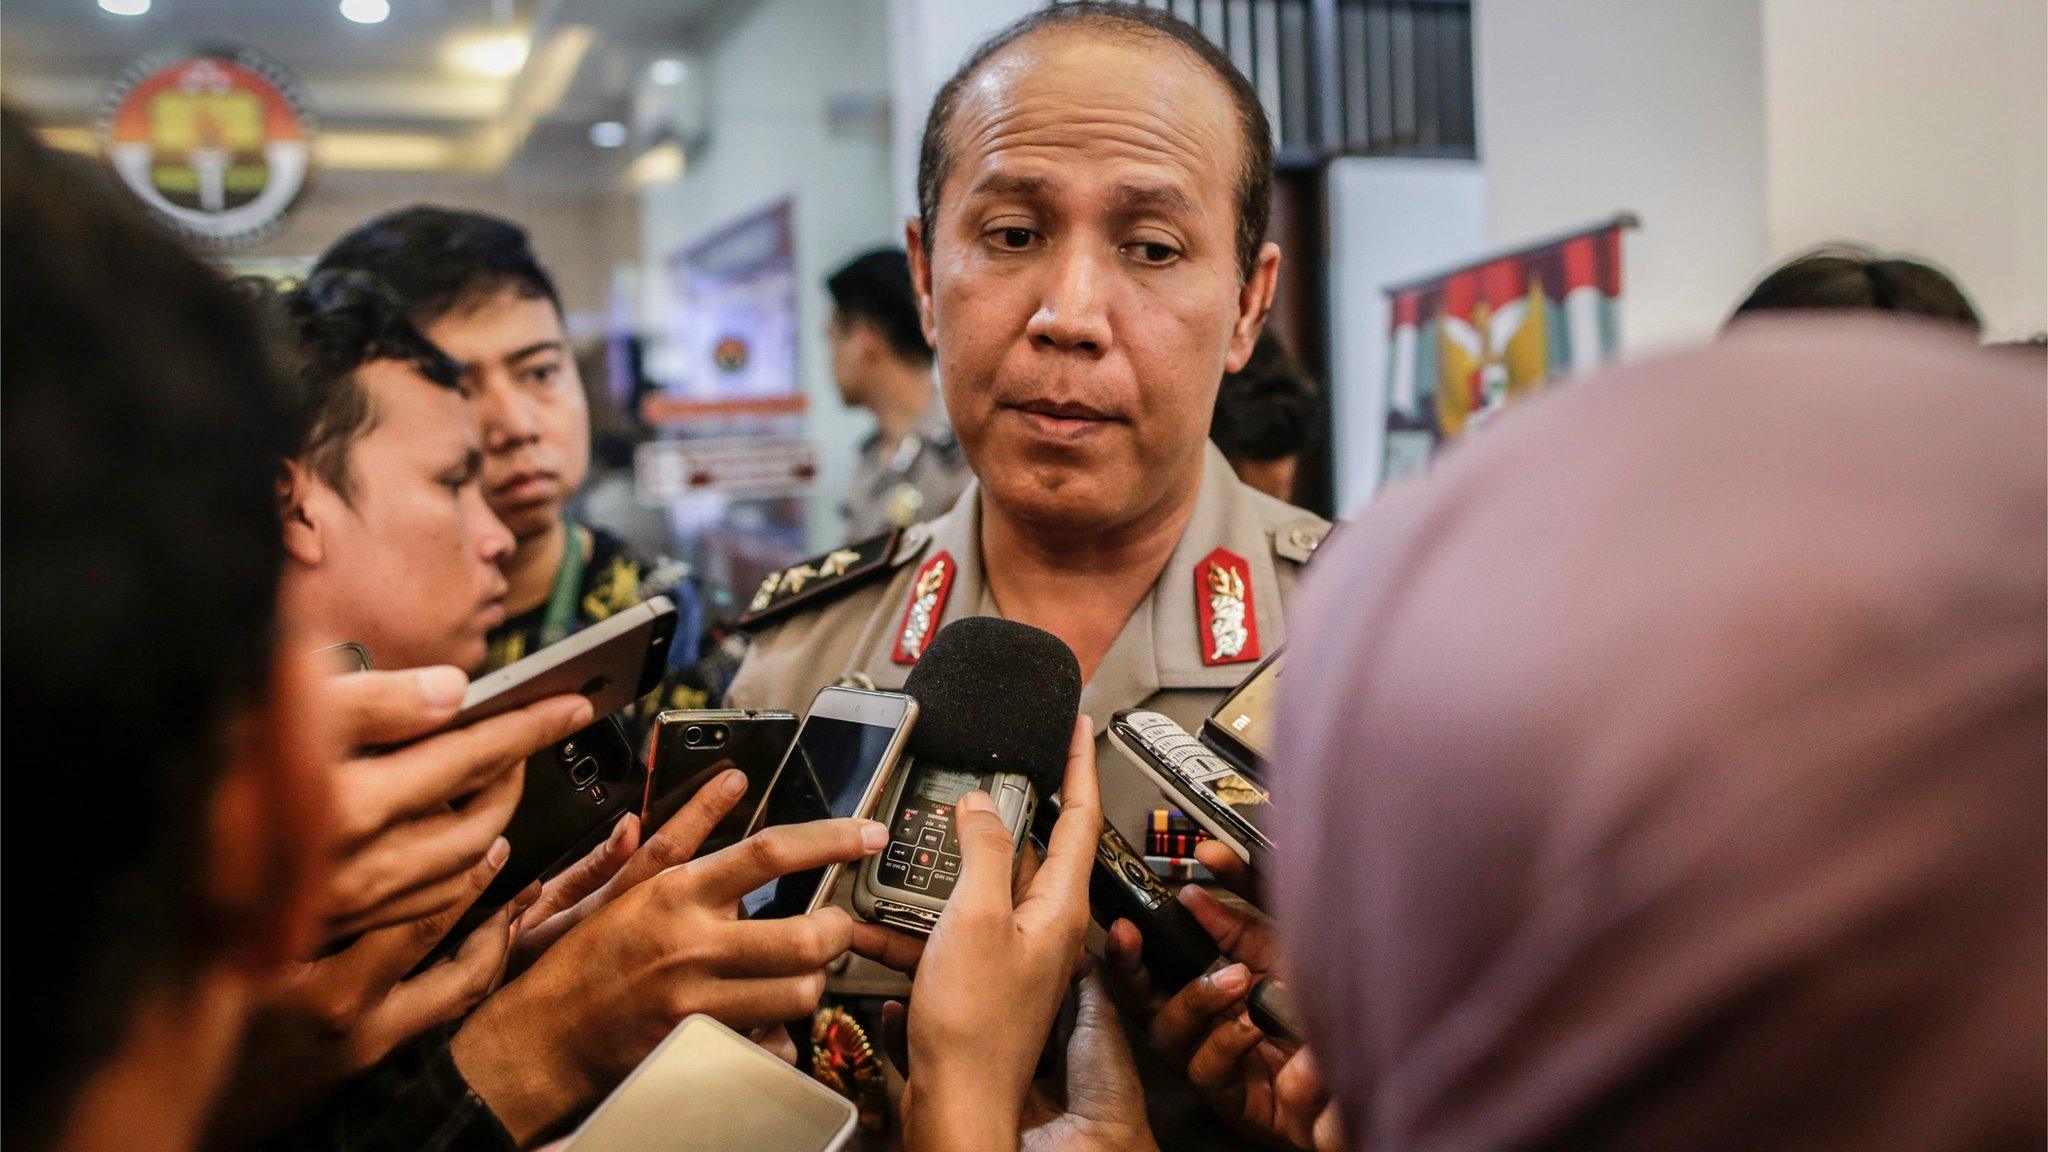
(58, 58)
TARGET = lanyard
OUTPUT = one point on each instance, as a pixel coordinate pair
(561, 615)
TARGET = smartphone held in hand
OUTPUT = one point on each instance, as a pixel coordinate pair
(708, 1089)
(844, 752)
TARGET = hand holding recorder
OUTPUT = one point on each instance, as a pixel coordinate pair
(997, 701)
(995, 969)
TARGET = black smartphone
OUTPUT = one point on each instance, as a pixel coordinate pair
(691, 746)
(575, 792)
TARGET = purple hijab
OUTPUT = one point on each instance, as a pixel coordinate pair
(1666, 771)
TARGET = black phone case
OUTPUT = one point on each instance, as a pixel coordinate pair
(755, 744)
(575, 791)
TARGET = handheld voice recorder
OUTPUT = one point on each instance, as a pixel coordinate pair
(998, 701)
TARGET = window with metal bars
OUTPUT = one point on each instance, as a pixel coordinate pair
(1350, 77)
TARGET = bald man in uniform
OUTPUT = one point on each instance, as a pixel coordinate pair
(1088, 259)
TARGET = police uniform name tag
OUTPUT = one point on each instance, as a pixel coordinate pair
(1227, 624)
(836, 571)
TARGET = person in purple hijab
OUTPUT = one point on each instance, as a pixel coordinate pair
(1666, 770)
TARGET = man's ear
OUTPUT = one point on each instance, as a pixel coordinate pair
(270, 821)
(1254, 301)
(298, 491)
(921, 278)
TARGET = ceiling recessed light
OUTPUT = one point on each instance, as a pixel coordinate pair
(608, 134)
(667, 70)
(498, 55)
(125, 7)
(366, 11)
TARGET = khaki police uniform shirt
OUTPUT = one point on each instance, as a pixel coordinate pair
(916, 478)
(1156, 661)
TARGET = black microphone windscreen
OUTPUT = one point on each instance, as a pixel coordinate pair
(994, 695)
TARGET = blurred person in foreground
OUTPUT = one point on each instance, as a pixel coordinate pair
(471, 284)
(1267, 414)
(1724, 828)
(142, 436)
(911, 468)
(1850, 277)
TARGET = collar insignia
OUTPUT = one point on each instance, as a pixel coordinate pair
(1228, 627)
(927, 604)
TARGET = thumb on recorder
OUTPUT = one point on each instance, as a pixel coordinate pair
(996, 968)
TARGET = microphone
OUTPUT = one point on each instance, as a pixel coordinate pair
(996, 707)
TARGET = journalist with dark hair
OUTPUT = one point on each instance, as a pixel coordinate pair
(144, 668)
(472, 285)
(1852, 277)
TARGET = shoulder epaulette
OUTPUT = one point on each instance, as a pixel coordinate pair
(822, 579)
(1297, 540)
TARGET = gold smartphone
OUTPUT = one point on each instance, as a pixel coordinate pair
(706, 1088)
(843, 753)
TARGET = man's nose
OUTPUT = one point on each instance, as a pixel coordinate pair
(504, 415)
(494, 542)
(1073, 312)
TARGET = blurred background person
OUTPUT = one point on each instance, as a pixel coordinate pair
(1852, 277)
(144, 426)
(1267, 414)
(911, 467)
(1690, 799)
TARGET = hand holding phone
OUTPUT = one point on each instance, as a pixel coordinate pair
(416, 819)
(667, 941)
(691, 747)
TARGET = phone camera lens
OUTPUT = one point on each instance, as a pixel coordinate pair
(693, 736)
(718, 735)
(583, 773)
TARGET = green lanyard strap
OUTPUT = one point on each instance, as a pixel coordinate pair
(561, 615)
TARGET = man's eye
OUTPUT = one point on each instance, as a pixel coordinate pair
(1151, 252)
(1014, 239)
(542, 374)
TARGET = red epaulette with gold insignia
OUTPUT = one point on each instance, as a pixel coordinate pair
(819, 579)
(1223, 605)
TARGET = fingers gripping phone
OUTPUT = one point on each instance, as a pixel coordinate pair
(692, 746)
(576, 789)
(846, 748)
(708, 1089)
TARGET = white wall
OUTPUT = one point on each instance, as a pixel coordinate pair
(578, 237)
(1390, 220)
(927, 40)
(1656, 106)
(770, 80)
(1918, 125)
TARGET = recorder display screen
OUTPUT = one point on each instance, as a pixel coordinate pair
(827, 774)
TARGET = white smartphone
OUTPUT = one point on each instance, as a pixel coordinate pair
(850, 741)
(706, 1088)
